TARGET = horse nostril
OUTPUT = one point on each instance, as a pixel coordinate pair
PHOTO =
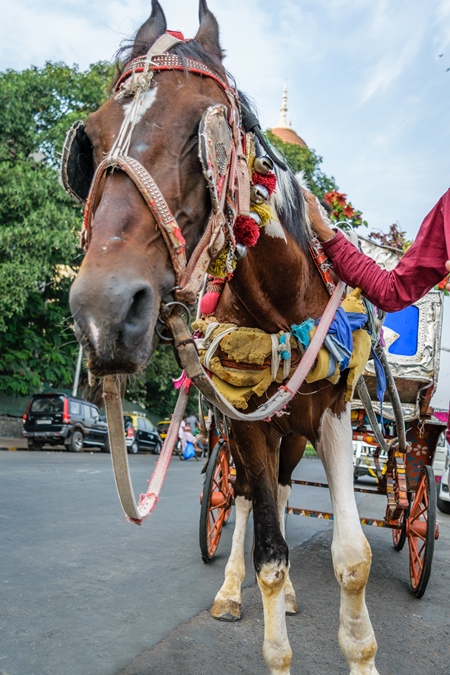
(139, 311)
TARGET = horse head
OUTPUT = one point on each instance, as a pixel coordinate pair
(149, 203)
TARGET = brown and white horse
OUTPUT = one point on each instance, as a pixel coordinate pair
(116, 299)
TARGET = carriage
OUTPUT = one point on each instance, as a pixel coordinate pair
(412, 347)
(210, 204)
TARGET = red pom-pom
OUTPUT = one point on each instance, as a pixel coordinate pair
(246, 231)
(208, 303)
(269, 181)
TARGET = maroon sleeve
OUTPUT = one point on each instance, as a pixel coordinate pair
(421, 268)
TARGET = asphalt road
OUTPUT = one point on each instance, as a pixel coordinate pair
(84, 593)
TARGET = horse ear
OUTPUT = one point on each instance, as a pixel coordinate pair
(208, 33)
(150, 31)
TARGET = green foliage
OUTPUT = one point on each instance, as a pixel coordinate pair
(306, 160)
(343, 211)
(38, 221)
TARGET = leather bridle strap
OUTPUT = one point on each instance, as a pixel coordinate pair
(136, 513)
(154, 200)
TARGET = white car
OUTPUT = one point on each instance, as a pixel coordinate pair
(363, 459)
(443, 499)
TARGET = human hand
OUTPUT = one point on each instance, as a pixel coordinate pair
(317, 221)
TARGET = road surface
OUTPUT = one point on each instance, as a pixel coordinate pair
(84, 593)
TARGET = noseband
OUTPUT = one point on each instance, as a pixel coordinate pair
(231, 200)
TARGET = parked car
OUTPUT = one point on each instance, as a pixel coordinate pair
(440, 457)
(141, 434)
(62, 419)
(364, 461)
(443, 500)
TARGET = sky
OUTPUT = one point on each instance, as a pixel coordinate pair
(368, 86)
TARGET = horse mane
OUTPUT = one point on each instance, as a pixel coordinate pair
(289, 200)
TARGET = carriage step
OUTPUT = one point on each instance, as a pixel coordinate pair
(325, 485)
(325, 515)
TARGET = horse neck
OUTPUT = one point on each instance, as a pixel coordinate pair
(274, 286)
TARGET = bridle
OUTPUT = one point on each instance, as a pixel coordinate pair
(234, 197)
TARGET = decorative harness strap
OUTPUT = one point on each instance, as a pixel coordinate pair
(323, 264)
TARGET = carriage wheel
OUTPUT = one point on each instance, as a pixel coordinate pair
(215, 501)
(399, 536)
(421, 530)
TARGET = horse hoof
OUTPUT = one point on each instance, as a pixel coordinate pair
(291, 604)
(226, 610)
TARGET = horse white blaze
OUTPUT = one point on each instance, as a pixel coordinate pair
(350, 548)
(284, 492)
(228, 600)
(276, 648)
(146, 101)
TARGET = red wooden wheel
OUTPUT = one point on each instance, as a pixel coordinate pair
(422, 530)
(216, 500)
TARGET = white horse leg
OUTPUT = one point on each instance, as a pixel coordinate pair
(227, 604)
(284, 492)
(276, 649)
(350, 549)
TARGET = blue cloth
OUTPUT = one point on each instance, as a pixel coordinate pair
(301, 332)
(339, 343)
(339, 340)
(189, 450)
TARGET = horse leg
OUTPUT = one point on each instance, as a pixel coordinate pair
(291, 452)
(227, 603)
(258, 447)
(350, 549)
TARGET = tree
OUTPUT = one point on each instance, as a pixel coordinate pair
(39, 223)
(303, 159)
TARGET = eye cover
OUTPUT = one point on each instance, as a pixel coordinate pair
(214, 150)
(77, 166)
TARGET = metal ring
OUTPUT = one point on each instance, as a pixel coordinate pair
(187, 318)
(185, 307)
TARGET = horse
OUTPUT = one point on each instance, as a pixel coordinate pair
(151, 222)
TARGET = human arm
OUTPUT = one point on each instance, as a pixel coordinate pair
(422, 267)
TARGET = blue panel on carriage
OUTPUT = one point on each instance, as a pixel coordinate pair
(406, 324)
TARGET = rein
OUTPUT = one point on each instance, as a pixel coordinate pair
(190, 361)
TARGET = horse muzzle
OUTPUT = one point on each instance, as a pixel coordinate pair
(114, 321)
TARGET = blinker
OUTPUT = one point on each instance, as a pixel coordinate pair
(77, 164)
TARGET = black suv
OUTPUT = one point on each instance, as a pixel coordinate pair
(57, 419)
